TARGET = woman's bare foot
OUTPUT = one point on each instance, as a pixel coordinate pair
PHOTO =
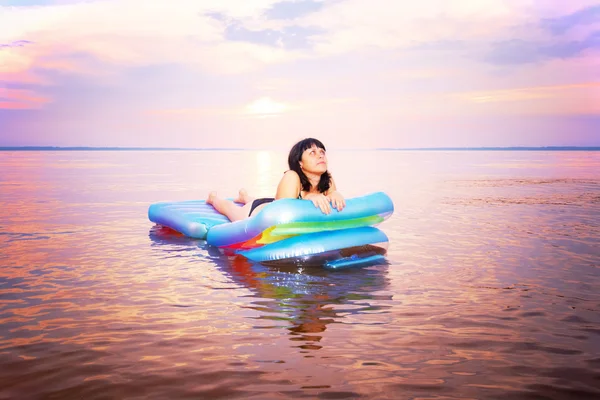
(211, 198)
(242, 197)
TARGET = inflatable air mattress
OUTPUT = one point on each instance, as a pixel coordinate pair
(288, 230)
(193, 218)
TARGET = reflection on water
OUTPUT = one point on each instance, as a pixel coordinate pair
(302, 300)
(490, 289)
(306, 299)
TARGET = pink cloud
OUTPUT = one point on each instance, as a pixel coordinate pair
(24, 77)
(21, 99)
(574, 99)
(16, 43)
(10, 105)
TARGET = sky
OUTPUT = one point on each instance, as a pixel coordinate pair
(266, 73)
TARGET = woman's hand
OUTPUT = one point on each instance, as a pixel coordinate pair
(321, 201)
(337, 200)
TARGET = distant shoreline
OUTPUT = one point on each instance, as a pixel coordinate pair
(83, 148)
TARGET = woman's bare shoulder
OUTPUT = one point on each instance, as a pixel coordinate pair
(289, 186)
(291, 174)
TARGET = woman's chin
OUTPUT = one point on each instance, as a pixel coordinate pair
(319, 169)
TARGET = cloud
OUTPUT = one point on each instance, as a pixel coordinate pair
(560, 25)
(21, 99)
(133, 33)
(440, 45)
(357, 24)
(519, 51)
(15, 43)
(217, 16)
(290, 37)
(23, 3)
(520, 94)
(293, 9)
(571, 99)
(571, 30)
(238, 36)
(573, 48)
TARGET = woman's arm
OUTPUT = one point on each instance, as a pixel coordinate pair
(289, 186)
(335, 197)
(332, 187)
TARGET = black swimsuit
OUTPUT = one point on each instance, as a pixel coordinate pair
(264, 200)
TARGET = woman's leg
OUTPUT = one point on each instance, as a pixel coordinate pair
(243, 197)
(228, 208)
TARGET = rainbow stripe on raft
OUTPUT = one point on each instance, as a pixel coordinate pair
(277, 233)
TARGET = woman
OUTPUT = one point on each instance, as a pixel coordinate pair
(307, 179)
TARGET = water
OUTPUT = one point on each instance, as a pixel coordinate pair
(490, 290)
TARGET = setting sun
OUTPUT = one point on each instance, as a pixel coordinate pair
(265, 107)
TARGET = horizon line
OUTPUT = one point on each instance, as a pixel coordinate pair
(445, 148)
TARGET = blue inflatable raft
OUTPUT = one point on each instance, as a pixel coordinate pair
(288, 230)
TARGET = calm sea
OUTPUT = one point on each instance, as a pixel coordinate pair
(491, 288)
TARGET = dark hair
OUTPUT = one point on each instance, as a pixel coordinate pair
(294, 163)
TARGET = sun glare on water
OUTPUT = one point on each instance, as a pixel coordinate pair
(265, 107)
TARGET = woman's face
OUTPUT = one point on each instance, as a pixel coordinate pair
(314, 160)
